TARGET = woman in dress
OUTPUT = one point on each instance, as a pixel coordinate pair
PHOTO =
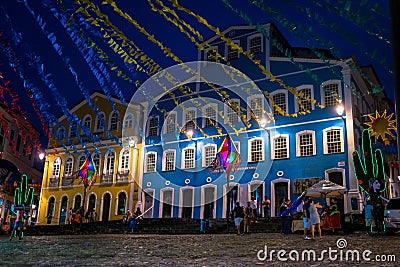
(314, 218)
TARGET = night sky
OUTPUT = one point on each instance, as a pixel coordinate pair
(346, 28)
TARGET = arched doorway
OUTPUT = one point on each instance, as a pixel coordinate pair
(50, 209)
(257, 193)
(208, 202)
(77, 202)
(106, 207)
(148, 203)
(63, 210)
(280, 189)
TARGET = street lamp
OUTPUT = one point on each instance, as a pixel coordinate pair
(340, 110)
(41, 155)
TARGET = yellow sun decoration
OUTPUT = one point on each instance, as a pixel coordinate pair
(380, 126)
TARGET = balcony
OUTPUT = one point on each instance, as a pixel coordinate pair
(123, 176)
(107, 178)
(54, 182)
(67, 180)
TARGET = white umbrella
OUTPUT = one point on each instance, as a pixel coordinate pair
(326, 189)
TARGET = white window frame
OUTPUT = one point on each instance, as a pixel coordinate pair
(148, 125)
(229, 49)
(55, 173)
(69, 161)
(250, 150)
(215, 110)
(110, 120)
(97, 166)
(298, 149)
(249, 109)
(230, 111)
(109, 169)
(84, 123)
(128, 120)
(98, 122)
(124, 159)
(286, 136)
(204, 154)
(185, 120)
(274, 93)
(164, 160)
(249, 38)
(325, 139)
(146, 165)
(168, 124)
(79, 161)
(184, 158)
(299, 88)
(327, 83)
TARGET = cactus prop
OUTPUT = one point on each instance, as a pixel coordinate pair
(23, 195)
(369, 172)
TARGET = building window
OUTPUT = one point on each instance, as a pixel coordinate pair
(128, 123)
(153, 126)
(209, 152)
(232, 53)
(121, 203)
(109, 161)
(114, 119)
(305, 144)
(232, 109)
(189, 117)
(56, 168)
(169, 160)
(96, 161)
(73, 129)
(87, 124)
(188, 158)
(212, 54)
(100, 122)
(331, 93)
(256, 150)
(125, 160)
(210, 115)
(69, 166)
(81, 160)
(281, 147)
(151, 162)
(255, 45)
(333, 140)
(279, 97)
(256, 107)
(171, 123)
(303, 105)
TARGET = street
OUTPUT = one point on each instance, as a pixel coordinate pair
(200, 250)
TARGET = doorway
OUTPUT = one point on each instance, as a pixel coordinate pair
(166, 204)
(209, 202)
(148, 204)
(63, 210)
(256, 192)
(337, 177)
(279, 191)
(50, 209)
(187, 202)
(106, 207)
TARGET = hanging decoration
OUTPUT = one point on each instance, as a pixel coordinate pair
(23, 196)
(88, 172)
(369, 168)
(227, 158)
(381, 126)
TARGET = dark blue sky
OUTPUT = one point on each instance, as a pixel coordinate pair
(350, 28)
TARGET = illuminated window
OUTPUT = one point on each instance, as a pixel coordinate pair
(256, 152)
(151, 162)
(281, 147)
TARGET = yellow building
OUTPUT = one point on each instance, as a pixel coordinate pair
(117, 157)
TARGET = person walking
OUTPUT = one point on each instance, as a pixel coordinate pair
(254, 207)
(306, 217)
(315, 220)
(266, 206)
(19, 223)
(248, 214)
(369, 218)
(238, 215)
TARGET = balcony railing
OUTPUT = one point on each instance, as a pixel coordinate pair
(107, 177)
(123, 176)
(67, 180)
(54, 182)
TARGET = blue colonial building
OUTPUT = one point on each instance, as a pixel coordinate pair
(278, 104)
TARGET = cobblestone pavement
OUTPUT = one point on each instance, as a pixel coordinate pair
(195, 250)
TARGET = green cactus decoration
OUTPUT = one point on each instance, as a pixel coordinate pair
(370, 172)
(23, 195)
